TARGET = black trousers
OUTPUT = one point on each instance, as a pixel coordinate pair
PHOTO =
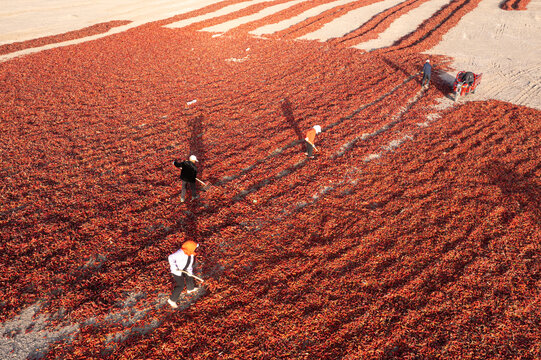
(180, 281)
(192, 187)
(426, 79)
(309, 148)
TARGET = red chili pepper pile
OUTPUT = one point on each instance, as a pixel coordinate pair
(515, 4)
(378, 24)
(430, 32)
(314, 23)
(72, 35)
(429, 249)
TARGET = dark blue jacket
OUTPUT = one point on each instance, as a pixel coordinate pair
(427, 69)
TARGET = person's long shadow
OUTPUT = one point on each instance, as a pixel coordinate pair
(287, 111)
(443, 81)
(397, 68)
(290, 118)
(197, 148)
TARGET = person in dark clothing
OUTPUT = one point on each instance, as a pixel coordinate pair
(188, 175)
(427, 70)
(468, 78)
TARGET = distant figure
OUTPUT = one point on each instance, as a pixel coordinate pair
(188, 175)
(182, 263)
(427, 70)
(310, 139)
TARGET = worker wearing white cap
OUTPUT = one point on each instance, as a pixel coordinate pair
(310, 139)
(188, 175)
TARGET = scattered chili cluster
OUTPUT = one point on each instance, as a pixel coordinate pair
(515, 4)
(72, 35)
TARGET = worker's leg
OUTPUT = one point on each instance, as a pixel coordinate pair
(183, 192)
(425, 80)
(193, 189)
(309, 149)
(179, 281)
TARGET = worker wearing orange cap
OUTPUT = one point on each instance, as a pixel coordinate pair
(181, 263)
(310, 139)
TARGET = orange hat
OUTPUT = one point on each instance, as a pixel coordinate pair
(189, 247)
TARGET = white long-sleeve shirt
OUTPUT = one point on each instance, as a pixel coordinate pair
(180, 261)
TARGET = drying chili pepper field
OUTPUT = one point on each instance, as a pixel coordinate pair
(414, 232)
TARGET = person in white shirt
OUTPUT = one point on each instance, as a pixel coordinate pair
(181, 263)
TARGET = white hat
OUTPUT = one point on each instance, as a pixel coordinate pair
(317, 128)
(428, 60)
(193, 158)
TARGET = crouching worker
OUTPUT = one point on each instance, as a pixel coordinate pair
(468, 78)
(310, 139)
(181, 263)
(188, 175)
